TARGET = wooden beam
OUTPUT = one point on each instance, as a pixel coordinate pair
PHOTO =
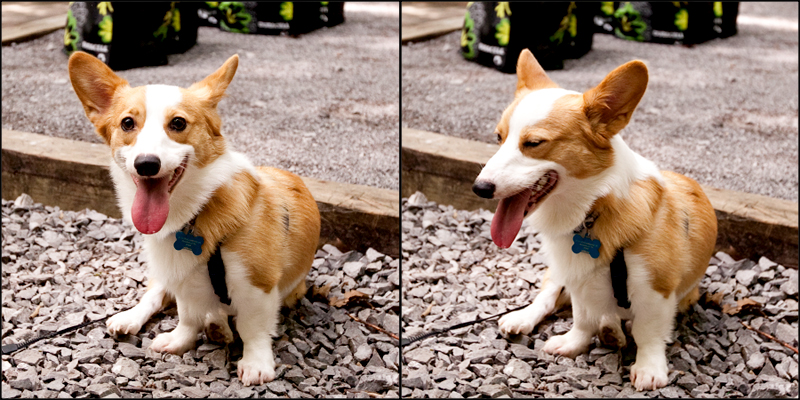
(431, 29)
(33, 29)
(445, 167)
(73, 175)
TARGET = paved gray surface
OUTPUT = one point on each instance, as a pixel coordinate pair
(324, 105)
(723, 112)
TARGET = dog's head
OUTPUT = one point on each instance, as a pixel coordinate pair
(156, 132)
(549, 135)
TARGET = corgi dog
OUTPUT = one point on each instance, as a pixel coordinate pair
(174, 175)
(563, 165)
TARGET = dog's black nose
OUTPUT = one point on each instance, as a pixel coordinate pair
(147, 164)
(484, 189)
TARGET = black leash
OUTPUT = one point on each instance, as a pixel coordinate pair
(412, 339)
(12, 347)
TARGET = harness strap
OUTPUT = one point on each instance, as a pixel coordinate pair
(619, 278)
(216, 270)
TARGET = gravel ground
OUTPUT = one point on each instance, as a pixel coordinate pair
(62, 267)
(453, 273)
(324, 105)
(723, 112)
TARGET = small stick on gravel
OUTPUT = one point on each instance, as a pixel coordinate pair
(377, 328)
(136, 389)
(427, 311)
(768, 336)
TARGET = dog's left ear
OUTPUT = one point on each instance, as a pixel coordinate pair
(530, 74)
(609, 106)
(213, 86)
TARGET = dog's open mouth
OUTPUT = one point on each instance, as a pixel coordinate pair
(513, 209)
(151, 202)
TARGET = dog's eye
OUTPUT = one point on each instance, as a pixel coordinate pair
(177, 124)
(533, 143)
(127, 124)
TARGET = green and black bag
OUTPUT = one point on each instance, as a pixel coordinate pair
(129, 35)
(668, 22)
(494, 33)
(272, 18)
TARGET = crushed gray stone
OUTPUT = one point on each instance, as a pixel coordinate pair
(713, 354)
(320, 351)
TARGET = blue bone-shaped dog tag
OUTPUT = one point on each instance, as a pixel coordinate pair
(192, 242)
(586, 244)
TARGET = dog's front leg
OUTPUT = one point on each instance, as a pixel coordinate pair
(653, 318)
(195, 297)
(546, 302)
(130, 322)
(585, 324)
(256, 321)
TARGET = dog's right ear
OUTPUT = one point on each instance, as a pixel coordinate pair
(531, 75)
(95, 84)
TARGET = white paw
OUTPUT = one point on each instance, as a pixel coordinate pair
(127, 323)
(255, 370)
(172, 343)
(517, 323)
(568, 345)
(649, 374)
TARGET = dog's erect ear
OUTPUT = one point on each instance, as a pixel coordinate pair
(94, 83)
(531, 75)
(213, 86)
(609, 106)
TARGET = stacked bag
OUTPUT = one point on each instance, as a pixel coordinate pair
(136, 34)
(494, 33)
(128, 35)
(271, 18)
(674, 22)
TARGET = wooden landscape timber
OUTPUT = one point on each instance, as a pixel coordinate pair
(73, 175)
(430, 29)
(33, 29)
(444, 168)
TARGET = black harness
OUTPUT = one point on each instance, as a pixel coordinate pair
(619, 270)
(216, 270)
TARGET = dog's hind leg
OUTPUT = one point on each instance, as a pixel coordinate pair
(217, 328)
(550, 298)
(131, 321)
(296, 294)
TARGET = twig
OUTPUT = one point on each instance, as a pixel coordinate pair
(374, 395)
(768, 336)
(136, 389)
(530, 391)
(377, 328)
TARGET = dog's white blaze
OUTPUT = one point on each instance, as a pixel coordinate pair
(509, 169)
(152, 138)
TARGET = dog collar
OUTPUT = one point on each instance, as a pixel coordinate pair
(583, 242)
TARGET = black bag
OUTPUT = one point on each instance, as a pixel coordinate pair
(130, 35)
(494, 33)
(668, 22)
(272, 18)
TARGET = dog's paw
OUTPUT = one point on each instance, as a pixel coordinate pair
(172, 343)
(567, 345)
(611, 335)
(219, 332)
(124, 323)
(255, 371)
(517, 323)
(649, 374)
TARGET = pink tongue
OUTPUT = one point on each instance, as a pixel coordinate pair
(508, 218)
(151, 205)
